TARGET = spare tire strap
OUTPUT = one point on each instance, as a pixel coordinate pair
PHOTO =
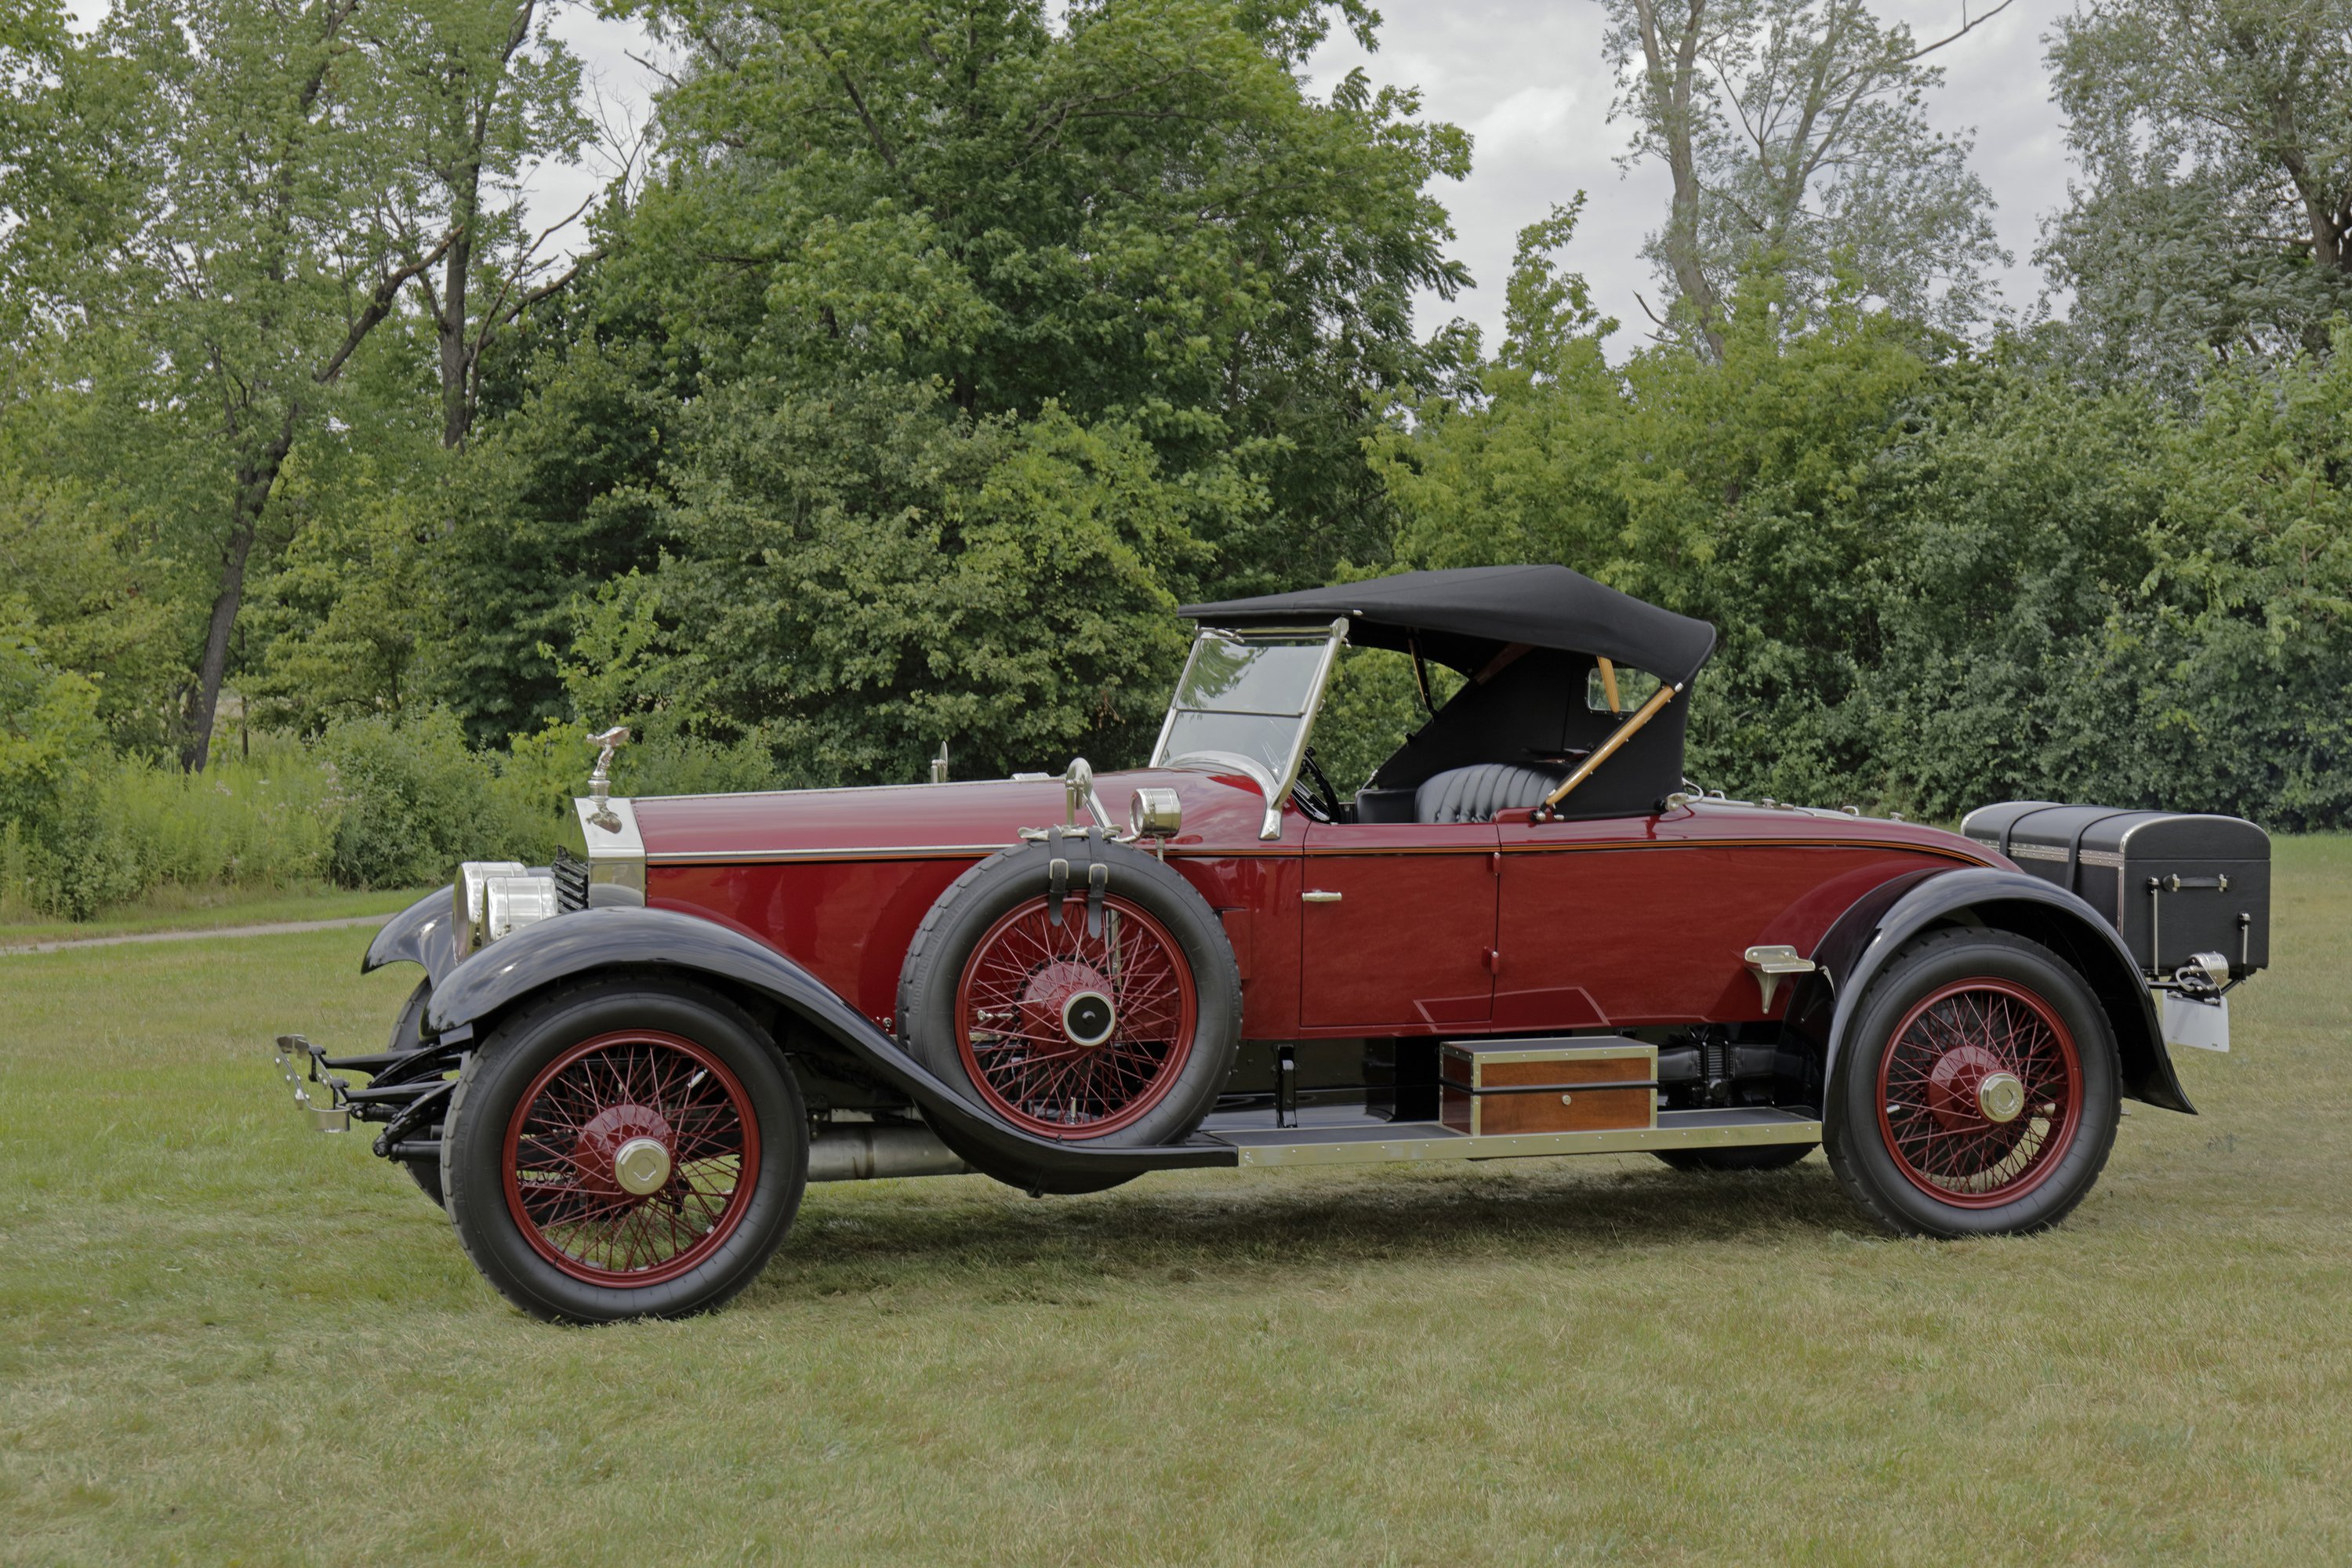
(1058, 887)
(1098, 880)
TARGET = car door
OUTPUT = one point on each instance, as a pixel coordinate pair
(1397, 925)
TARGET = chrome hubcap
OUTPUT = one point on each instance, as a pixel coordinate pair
(1088, 1019)
(641, 1166)
(2000, 1096)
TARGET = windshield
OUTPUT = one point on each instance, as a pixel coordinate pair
(1250, 695)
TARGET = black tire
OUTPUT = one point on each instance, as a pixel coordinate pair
(1000, 886)
(491, 1086)
(407, 1033)
(2064, 1162)
(1761, 1157)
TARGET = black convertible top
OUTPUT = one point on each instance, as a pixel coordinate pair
(1458, 616)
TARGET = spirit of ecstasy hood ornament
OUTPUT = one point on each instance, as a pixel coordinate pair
(600, 781)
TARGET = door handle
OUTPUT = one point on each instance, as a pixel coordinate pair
(1317, 896)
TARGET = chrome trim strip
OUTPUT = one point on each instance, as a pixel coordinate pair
(1211, 852)
(2103, 858)
(1429, 1141)
(858, 852)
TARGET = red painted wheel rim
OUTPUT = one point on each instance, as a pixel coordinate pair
(1928, 1082)
(581, 1108)
(1026, 975)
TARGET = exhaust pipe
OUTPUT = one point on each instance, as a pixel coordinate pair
(865, 1151)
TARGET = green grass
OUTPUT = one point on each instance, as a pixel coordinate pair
(180, 908)
(223, 1338)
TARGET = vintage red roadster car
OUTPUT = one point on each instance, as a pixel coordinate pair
(1526, 934)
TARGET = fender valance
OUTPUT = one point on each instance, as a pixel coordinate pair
(1861, 943)
(467, 999)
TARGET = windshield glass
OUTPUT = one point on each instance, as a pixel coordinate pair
(1251, 697)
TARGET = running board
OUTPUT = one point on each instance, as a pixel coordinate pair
(1378, 1142)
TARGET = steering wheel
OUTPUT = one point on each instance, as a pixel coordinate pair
(1321, 803)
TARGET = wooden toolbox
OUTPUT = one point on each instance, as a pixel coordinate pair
(1569, 1084)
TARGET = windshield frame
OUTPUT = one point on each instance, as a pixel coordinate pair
(1276, 788)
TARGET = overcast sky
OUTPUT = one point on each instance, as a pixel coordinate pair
(1527, 78)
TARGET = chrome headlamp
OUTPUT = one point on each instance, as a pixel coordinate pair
(1155, 814)
(494, 897)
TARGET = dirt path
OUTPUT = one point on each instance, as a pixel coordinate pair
(281, 928)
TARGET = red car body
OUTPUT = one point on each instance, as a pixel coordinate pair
(1456, 928)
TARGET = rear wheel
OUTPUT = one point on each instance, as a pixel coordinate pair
(1977, 1090)
(624, 1151)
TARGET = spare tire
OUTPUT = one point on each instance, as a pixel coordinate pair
(1077, 990)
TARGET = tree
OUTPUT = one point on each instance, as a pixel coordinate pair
(944, 351)
(2215, 218)
(1793, 136)
(237, 195)
(1141, 215)
(31, 33)
(498, 94)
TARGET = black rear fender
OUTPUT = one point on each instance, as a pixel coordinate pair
(1863, 940)
(470, 999)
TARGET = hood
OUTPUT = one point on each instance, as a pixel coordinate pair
(911, 820)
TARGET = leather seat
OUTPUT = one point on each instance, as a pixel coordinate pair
(1477, 793)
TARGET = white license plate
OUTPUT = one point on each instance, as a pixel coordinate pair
(2194, 1024)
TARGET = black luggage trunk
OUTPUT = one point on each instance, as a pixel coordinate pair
(2174, 884)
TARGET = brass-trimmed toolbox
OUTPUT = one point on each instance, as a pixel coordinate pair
(1569, 1083)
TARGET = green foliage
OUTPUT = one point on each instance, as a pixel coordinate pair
(556, 501)
(266, 820)
(949, 354)
(49, 735)
(1937, 582)
(865, 575)
(417, 800)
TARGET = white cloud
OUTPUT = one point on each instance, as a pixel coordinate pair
(1532, 117)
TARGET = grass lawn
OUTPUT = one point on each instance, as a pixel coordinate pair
(223, 1338)
(204, 910)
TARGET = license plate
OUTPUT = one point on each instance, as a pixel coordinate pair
(2198, 1024)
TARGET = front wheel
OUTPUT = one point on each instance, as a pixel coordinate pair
(1977, 1090)
(624, 1149)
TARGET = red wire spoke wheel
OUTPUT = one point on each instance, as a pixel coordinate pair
(1066, 1034)
(1980, 1092)
(631, 1158)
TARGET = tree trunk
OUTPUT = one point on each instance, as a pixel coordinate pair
(254, 484)
(456, 358)
(1673, 78)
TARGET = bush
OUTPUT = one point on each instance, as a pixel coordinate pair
(417, 800)
(52, 754)
(264, 821)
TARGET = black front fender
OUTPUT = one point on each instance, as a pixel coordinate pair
(424, 933)
(1863, 941)
(468, 1001)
